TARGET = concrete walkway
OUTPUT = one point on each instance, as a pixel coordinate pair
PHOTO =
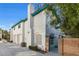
(10, 49)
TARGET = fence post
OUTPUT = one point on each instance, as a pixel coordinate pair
(62, 46)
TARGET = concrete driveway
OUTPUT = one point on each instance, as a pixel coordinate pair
(11, 49)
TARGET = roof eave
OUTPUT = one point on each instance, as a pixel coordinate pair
(19, 23)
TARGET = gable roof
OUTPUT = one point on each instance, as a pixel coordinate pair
(19, 22)
(39, 10)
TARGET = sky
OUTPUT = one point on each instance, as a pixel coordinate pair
(11, 13)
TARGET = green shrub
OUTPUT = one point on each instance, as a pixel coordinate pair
(56, 46)
(35, 48)
(23, 44)
(10, 41)
(0, 39)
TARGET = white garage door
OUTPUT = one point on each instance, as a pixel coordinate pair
(15, 39)
(19, 38)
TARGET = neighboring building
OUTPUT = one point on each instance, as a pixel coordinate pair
(19, 31)
(4, 35)
(34, 29)
(0, 34)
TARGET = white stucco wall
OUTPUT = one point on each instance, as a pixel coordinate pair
(11, 34)
(27, 33)
(40, 29)
(21, 34)
(17, 33)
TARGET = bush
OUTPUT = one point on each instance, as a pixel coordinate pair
(10, 41)
(35, 48)
(23, 44)
(56, 46)
(0, 39)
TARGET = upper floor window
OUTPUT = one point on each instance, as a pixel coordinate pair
(14, 28)
(19, 26)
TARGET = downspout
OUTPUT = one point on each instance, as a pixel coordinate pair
(23, 32)
(32, 31)
(23, 44)
(32, 27)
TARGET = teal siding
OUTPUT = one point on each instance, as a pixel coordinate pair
(19, 22)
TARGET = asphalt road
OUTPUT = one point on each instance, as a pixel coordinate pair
(11, 49)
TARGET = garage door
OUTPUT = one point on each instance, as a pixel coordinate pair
(19, 39)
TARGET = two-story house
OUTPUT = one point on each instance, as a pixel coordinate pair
(34, 29)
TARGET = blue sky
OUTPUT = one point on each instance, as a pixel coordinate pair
(11, 13)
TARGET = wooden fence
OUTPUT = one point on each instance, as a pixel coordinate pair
(68, 46)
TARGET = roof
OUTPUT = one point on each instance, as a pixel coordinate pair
(39, 10)
(19, 22)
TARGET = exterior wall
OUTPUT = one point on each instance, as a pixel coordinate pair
(40, 29)
(69, 46)
(28, 29)
(17, 34)
(22, 34)
(32, 31)
(27, 33)
(11, 34)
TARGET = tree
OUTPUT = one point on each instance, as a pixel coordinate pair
(5, 35)
(71, 17)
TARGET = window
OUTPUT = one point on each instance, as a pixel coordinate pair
(14, 28)
(19, 26)
(38, 39)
